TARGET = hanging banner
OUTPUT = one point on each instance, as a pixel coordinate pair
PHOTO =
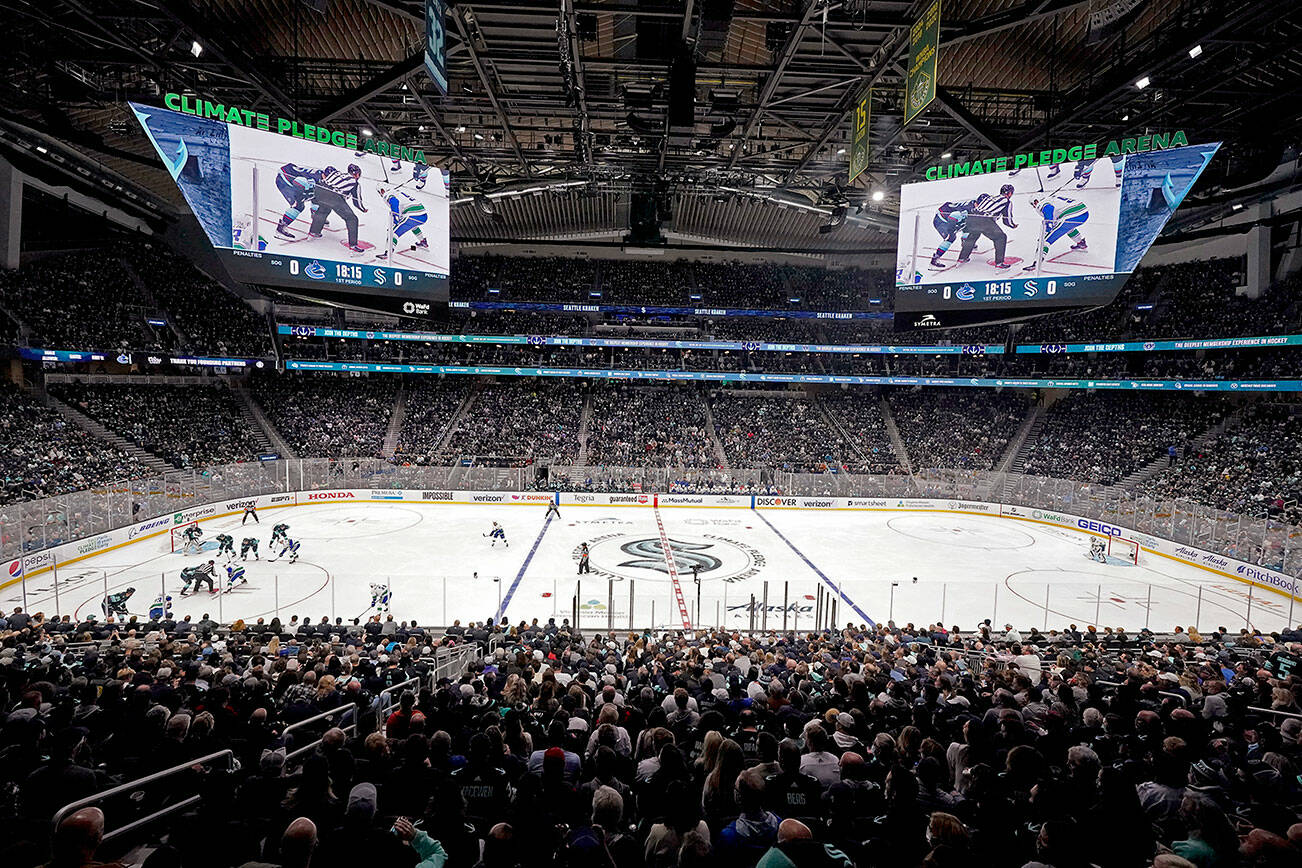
(435, 64)
(861, 120)
(924, 51)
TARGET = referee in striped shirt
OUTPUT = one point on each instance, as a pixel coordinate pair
(983, 219)
(333, 193)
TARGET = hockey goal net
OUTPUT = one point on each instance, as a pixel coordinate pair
(1123, 549)
(178, 536)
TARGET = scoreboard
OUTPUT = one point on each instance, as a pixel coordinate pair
(334, 223)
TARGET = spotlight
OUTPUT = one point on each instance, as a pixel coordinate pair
(1143, 82)
(947, 156)
(195, 48)
(1195, 52)
(840, 151)
(460, 129)
(878, 195)
(367, 132)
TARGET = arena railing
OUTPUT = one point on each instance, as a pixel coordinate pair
(32, 526)
(133, 788)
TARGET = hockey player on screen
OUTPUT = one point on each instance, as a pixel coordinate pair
(1098, 552)
(419, 172)
(497, 533)
(339, 192)
(406, 216)
(1086, 167)
(198, 575)
(116, 604)
(983, 218)
(1062, 216)
(193, 537)
(949, 221)
(380, 597)
(161, 607)
(234, 576)
(278, 532)
(225, 545)
(249, 544)
(297, 184)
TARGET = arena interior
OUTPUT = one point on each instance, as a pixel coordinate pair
(651, 434)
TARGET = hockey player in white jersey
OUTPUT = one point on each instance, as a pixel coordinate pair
(1098, 552)
(1063, 216)
(161, 607)
(288, 550)
(497, 533)
(406, 216)
(380, 597)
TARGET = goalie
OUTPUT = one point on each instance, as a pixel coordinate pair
(1098, 551)
(192, 539)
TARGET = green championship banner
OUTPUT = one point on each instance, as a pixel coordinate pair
(924, 50)
(863, 112)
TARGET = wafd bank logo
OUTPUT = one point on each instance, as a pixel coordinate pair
(630, 556)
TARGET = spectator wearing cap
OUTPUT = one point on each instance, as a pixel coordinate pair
(844, 737)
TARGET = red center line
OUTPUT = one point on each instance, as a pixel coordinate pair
(673, 570)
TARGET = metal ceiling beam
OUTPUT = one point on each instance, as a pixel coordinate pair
(489, 89)
(785, 57)
(433, 118)
(385, 81)
(232, 55)
(583, 121)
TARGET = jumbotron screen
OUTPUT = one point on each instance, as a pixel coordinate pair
(1002, 245)
(311, 217)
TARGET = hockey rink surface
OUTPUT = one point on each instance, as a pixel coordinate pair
(968, 568)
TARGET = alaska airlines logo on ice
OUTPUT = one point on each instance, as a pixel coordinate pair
(649, 554)
(315, 270)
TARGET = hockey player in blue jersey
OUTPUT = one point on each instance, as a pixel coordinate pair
(949, 221)
(297, 184)
(406, 216)
(161, 607)
(497, 533)
(116, 604)
(1086, 167)
(1062, 216)
(288, 549)
(249, 544)
(380, 597)
(235, 576)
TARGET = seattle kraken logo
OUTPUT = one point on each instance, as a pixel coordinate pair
(649, 554)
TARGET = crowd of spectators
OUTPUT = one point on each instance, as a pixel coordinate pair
(188, 426)
(1254, 467)
(329, 415)
(966, 429)
(80, 300)
(859, 413)
(431, 406)
(649, 427)
(851, 748)
(786, 433)
(214, 321)
(42, 454)
(522, 421)
(1103, 437)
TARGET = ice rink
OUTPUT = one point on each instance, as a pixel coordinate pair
(967, 568)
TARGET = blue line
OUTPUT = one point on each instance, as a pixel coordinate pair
(851, 603)
(510, 592)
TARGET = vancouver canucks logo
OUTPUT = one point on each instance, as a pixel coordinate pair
(315, 270)
(649, 554)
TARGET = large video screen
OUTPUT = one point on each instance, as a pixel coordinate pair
(308, 216)
(1005, 244)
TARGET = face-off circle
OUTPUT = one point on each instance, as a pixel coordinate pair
(643, 557)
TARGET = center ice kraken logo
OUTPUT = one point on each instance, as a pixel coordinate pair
(622, 556)
(649, 554)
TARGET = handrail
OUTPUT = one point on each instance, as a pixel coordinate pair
(69, 808)
(389, 691)
(1293, 714)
